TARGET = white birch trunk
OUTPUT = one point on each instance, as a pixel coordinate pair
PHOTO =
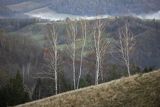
(127, 43)
(97, 37)
(74, 55)
(72, 33)
(55, 67)
(84, 31)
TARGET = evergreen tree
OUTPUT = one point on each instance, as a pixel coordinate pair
(13, 93)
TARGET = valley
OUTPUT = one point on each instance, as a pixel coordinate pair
(79, 53)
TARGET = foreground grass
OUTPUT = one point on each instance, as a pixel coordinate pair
(142, 90)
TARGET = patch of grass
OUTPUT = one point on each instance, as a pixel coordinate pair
(135, 91)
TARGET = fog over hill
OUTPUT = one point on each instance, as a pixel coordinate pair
(60, 9)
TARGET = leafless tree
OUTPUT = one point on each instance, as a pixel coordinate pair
(53, 52)
(125, 46)
(104, 50)
(26, 70)
(72, 34)
(51, 57)
(84, 36)
(101, 46)
(26, 67)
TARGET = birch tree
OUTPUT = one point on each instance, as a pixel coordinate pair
(100, 45)
(52, 57)
(53, 52)
(125, 46)
(104, 50)
(72, 34)
(84, 35)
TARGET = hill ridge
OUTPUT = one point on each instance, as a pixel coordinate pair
(87, 7)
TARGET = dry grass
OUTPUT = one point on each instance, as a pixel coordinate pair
(136, 91)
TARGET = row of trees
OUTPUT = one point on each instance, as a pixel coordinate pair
(78, 35)
(83, 61)
(80, 31)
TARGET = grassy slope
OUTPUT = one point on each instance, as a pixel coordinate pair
(141, 90)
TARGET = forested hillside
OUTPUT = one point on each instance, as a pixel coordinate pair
(7, 2)
(111, 7)
(85, 7)
(4, 11)
(25, 50)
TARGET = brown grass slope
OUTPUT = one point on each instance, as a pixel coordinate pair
(142, 90)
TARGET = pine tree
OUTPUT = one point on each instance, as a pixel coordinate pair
(13, 93)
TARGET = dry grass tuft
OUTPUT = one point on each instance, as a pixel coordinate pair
(135, 91)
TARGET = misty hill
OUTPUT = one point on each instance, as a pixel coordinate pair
(136, 91)
(5, 11)
(111, 7)
(146, 32)
(83, 7)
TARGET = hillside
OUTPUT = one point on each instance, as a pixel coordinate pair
(84, 7)
(140, 90)
(111, 7)
(4, 11)
(146, 32)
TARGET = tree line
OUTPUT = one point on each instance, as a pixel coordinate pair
(79, 31)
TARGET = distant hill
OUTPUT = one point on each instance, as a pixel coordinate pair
(146, 31)
(8, 2)
(5, 11)
(85, 7)
(136, 91)
(111, 7)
